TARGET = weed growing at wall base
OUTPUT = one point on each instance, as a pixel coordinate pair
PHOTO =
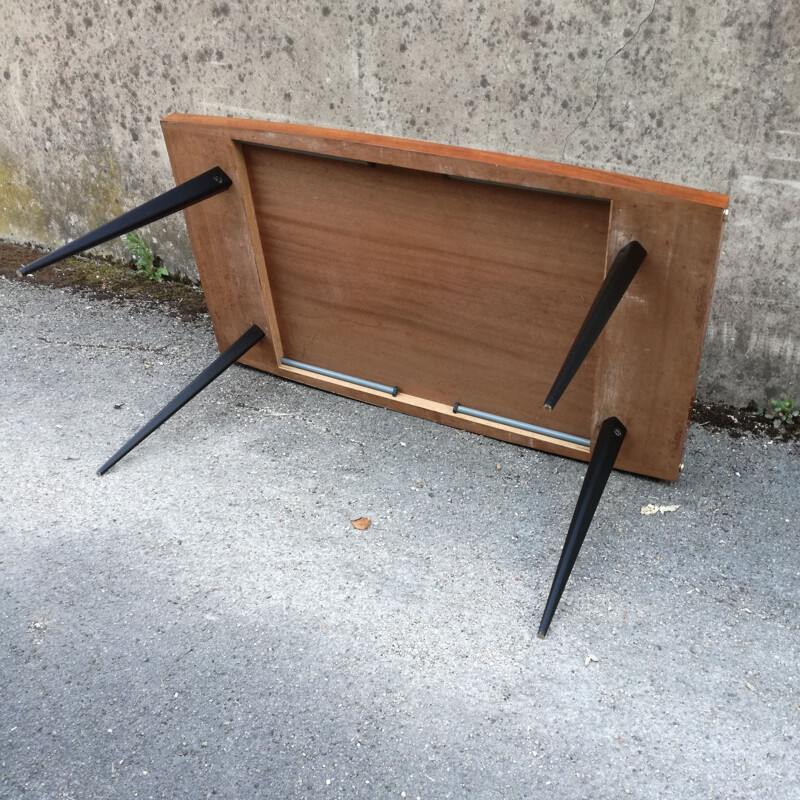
(783, 412)
(146, 260)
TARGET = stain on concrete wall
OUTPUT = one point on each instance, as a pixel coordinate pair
(701, 94)
(21, 214)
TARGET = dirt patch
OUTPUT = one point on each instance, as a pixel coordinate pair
(739, 421)
(105, 280)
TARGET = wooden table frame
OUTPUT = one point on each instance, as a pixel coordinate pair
(644, 367)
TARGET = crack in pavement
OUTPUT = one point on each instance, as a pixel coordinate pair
(139, 348)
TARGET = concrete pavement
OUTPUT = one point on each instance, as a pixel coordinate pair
(205, 622)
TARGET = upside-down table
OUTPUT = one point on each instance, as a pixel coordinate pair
(547, 305)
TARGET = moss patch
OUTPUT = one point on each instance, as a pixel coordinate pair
(104, 279)
(19, 210)
(103, 191)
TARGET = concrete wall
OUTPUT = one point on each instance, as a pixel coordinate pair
(702, 94)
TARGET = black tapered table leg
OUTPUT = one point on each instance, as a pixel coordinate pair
(210, 373)
(609, 440)
(182, 196)
(619, 277)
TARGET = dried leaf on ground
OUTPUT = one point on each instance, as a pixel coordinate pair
(361, 524)
(654, 509)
